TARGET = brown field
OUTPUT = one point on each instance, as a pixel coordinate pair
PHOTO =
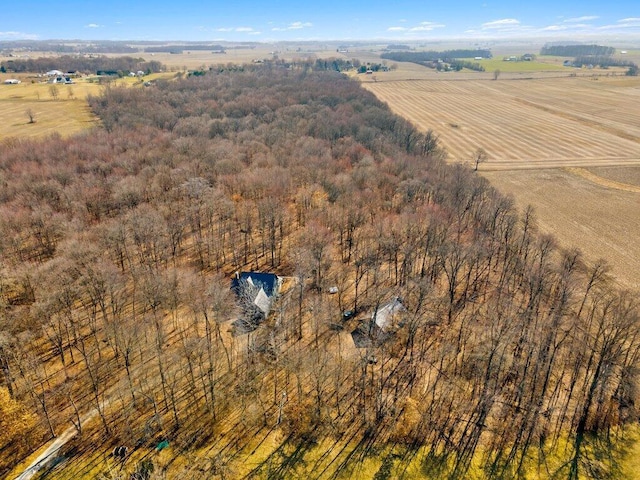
(603, 221)
(193, 59)
(568, 146)
(66, 115)
(526, 123)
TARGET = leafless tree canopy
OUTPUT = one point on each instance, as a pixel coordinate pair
(117, 248)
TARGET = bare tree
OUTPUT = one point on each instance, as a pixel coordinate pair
(31, 114)
(479, 156)
(54, 92)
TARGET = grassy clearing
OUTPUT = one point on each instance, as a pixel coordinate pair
(270, 454)
(66, 114)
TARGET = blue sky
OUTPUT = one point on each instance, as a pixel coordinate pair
(253, 20)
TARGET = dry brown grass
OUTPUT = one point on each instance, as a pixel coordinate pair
(66, 115)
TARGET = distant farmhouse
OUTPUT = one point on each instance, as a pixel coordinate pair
(255, 293)
(60, 79)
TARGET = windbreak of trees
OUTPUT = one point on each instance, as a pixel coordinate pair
(116, 251)
(73, 63)
(398, 46)
(577, 50)
(435, 59)
(433, 56)
(601, 61)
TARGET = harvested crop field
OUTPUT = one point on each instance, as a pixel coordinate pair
(600, 219)
(534, 123)
(568, 146)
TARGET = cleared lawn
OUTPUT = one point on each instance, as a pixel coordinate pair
(568, 146)
(66, 115)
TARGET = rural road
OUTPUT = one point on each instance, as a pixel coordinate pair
(52, 450)
(48, 455)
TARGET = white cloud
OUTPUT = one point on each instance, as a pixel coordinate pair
(633, 21)
(426, 27)
(244, 29)
(563, 27)
(584, 18)
(501, 24)
(421, 27)
(224, 29)
(625, 23)
(293, 26)
(299, 25)
(255, 33)
(92, 25)
(18, 36)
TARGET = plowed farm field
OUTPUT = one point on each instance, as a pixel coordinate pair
(533, 123)
(569, 147)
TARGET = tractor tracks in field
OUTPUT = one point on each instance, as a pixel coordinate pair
(580, 119)
(605, 182)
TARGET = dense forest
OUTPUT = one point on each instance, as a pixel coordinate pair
(602, 61)
(80, 63)
(117, 249)
(577, 50)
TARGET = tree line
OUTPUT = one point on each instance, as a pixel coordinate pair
(81, 63)
(577, 50)
(118, 246)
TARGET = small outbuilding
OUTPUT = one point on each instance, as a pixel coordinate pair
(384, 321)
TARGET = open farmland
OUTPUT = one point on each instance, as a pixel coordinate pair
(600, 218)
(570, 147)
(529, 123)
